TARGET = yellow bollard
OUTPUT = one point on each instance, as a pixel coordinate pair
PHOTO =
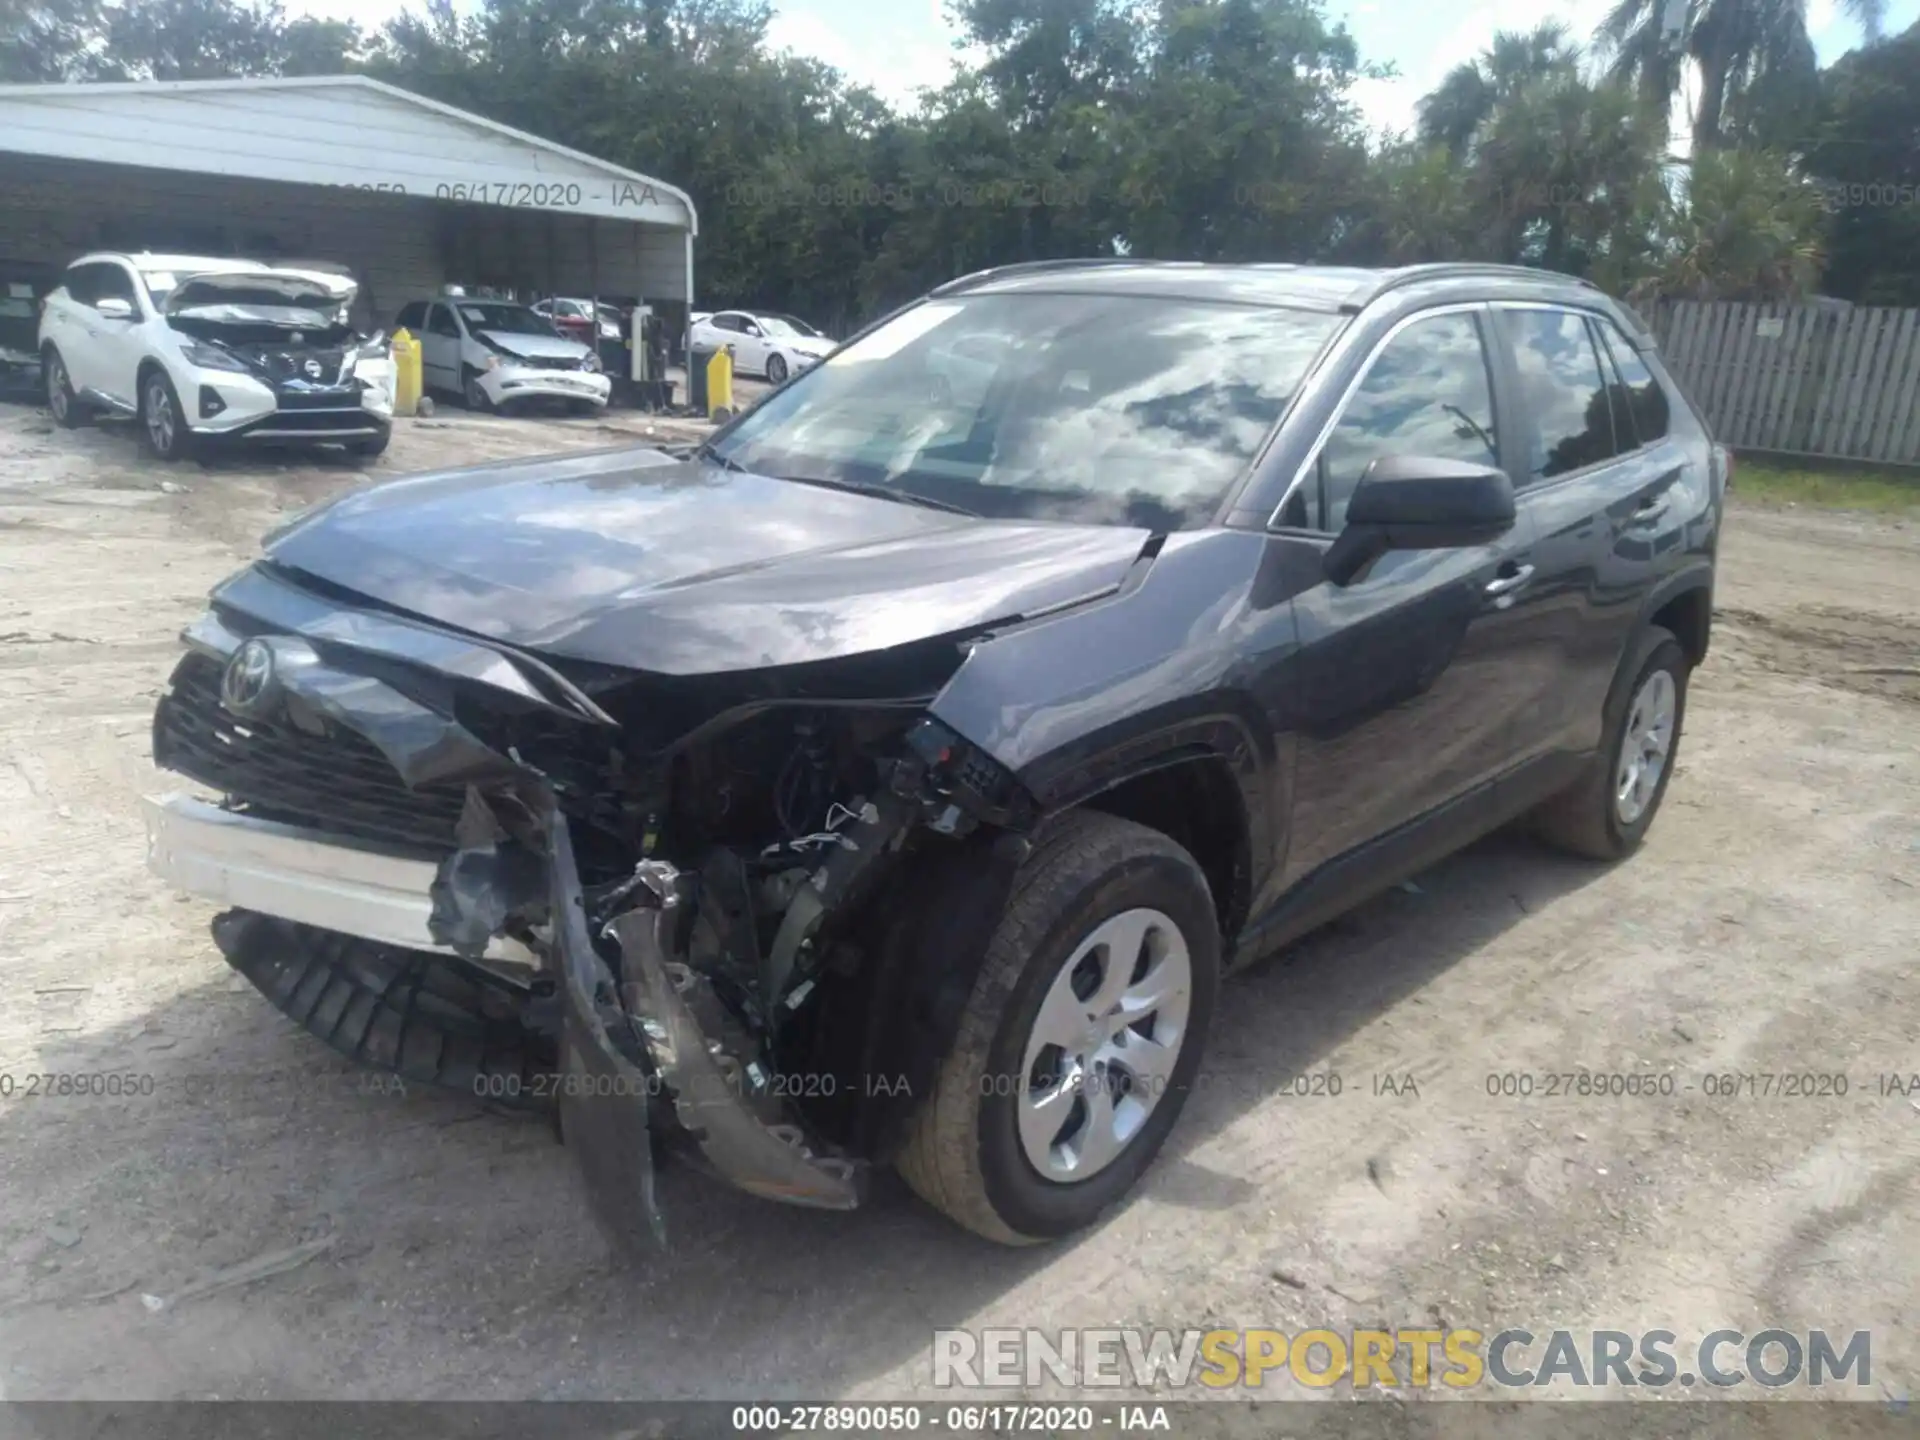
(406, 373)
(720, 382)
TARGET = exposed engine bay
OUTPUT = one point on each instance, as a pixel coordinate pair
(281, 326)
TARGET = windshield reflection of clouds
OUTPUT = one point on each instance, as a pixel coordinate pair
(1112, 409)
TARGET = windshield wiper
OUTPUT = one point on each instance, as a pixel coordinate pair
(882, 492)
(707, 452)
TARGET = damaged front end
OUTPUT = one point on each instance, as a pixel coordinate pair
(731, 910)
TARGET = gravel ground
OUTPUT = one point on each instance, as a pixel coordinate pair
(430, 1249)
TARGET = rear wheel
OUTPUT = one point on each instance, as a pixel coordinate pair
(1080, 1040)
(163, 425)
(68, 409)
(1608, 811)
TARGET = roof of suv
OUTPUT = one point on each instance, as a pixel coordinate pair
(190, 264)
(1312, 287)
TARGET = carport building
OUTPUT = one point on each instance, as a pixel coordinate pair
(407, 193)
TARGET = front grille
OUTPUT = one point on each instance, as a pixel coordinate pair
(549, 362)
(335, 398)
(337, 782)
(292, 364)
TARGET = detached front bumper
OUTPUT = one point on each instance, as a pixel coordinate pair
(509, 382)
(626, 1050)
(297, 874)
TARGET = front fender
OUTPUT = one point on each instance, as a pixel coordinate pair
(1171, 667)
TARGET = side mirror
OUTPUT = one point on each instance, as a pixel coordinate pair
(754, 330)
(114, 308)
(1410, 502)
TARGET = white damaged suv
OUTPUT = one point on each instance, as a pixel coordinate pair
(198, 349)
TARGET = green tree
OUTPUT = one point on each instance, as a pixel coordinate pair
(1866, 153)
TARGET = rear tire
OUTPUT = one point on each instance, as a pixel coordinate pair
(163, 424)
(980, 1148)
(69, 410)
(1607, 812)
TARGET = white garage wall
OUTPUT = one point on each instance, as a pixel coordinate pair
(399, 248)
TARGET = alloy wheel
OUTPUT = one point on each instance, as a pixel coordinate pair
(1645, 746)
(160, 420)
(57, 400)
(1102, 1049)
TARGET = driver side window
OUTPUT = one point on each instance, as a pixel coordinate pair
(440, 321)
(1427, 393)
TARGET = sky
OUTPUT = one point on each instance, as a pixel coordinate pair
(899, 46)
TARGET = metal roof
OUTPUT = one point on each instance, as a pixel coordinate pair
(342, 131)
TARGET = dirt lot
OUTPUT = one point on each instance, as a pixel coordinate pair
(1771, 925)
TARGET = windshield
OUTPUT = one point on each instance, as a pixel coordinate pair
(791, 325)
(508, 319)
(1109, 409)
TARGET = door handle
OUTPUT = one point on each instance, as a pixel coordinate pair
(1507, 584)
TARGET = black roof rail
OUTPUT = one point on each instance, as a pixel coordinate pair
(1464, 270)
(1031, 267)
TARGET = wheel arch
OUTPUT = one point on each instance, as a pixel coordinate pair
(1684, 606)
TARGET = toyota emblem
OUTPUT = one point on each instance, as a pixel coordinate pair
(312, 367)
(246, 686)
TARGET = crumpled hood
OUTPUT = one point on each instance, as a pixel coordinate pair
(631, 558)
(535, 347)
(256, 289)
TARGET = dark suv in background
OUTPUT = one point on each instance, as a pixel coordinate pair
(893, 778)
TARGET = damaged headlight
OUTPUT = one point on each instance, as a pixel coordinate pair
(212, 357)
(591, 363)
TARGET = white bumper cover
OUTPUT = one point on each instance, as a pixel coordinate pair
(292, 873)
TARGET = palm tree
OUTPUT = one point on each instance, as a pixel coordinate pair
(1740, 46)
(1471, 92)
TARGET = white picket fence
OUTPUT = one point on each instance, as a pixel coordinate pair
(1823, 379)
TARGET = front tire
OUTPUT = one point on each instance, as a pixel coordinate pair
(474, 393)
(69, 411)
(777, 369)
(371, 449)
(1607, 812)
(1080, 1039)
(163, 424)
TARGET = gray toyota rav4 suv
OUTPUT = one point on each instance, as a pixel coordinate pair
(892, 778)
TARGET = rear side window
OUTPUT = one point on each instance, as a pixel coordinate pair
(80, 282)
(1427, 394)
(1644, 411)
(1567, 422)
(116, 283)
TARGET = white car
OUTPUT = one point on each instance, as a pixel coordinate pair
(198, 349)
(775, 346)
(495, 353)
